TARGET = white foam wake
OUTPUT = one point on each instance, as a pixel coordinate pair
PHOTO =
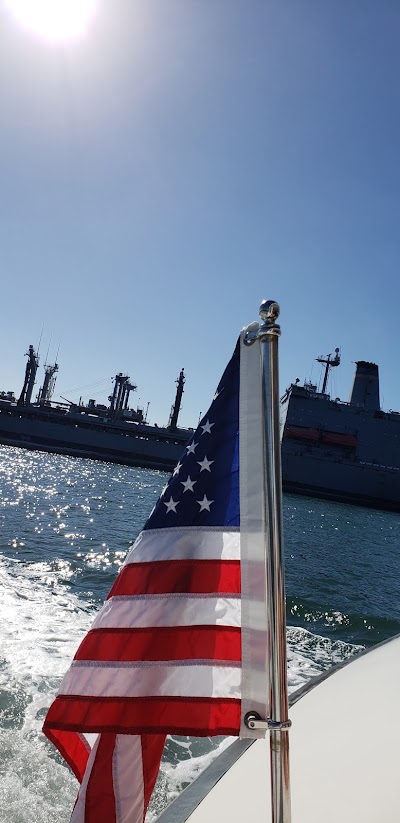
(42, 625)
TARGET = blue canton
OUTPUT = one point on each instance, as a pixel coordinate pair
(203, 489)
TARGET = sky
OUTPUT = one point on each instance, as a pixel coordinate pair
(182, 161)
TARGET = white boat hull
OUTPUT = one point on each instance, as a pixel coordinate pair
(344, 754)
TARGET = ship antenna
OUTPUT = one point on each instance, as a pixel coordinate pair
(40, 340)
(330, 362)
(48, 349)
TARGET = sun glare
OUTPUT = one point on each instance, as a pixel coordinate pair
(54, 19)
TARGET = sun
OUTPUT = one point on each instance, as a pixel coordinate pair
(54, 20)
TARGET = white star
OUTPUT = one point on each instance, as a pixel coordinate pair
(190, 449)
(217, 393)
(204, 504)
(171, 505)
(207, 427)
(177, 469)
(205, 464)
(188, 484)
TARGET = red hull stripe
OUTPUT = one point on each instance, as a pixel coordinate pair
(188, 716)
(165, 643)
(184, 576)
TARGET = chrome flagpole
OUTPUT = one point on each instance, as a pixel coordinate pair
(278, 724)
(269, 333)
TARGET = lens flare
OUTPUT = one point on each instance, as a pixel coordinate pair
(54, 20)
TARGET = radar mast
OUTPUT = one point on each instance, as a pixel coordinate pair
(330, 361)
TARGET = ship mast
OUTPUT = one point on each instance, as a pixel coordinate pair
(173, 418)
(30, 376)
(47, 389)
(120, 397)
(329, 361)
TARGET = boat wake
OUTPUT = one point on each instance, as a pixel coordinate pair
(43, 623)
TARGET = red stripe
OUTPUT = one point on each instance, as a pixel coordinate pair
(100, 798)
(72, 749)
(198, 717)
(163, 643)
(185, 576)
(152, 749)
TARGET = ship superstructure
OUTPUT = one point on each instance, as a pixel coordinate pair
(346, 451)
(113, 433)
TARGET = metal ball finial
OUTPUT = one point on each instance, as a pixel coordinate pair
(269, 311)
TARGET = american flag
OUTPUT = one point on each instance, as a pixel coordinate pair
(163, 655)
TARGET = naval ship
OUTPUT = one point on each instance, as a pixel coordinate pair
(345, 451)
(113, 433)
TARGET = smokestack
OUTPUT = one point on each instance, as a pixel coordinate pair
(366, 386)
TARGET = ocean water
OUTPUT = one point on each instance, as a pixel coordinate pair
(66, 525)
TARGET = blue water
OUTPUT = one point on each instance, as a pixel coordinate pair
(66, 525)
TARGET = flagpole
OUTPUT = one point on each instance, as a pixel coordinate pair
(279, 722)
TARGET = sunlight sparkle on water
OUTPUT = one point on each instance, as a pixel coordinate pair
(54, 20)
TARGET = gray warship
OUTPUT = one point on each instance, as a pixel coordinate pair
(344, 451)
(114, 433)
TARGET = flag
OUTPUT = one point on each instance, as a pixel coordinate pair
(179, 646)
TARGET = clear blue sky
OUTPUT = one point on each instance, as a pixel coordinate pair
(184, 160)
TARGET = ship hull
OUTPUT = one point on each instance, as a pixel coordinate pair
(126, 444)
(345, 484)
(340, 451)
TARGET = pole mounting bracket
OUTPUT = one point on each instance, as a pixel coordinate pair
(253, 721)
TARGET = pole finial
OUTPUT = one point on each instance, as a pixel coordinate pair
(269, 311)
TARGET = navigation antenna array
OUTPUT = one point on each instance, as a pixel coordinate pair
(330, 361)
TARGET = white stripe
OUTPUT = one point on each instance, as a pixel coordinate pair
(255, 689)
(146, 611)
(78, 814)
(128, 778)
(163, 680)
(185, 544)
